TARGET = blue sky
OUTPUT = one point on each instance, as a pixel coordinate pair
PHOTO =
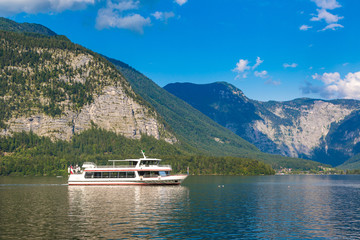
(272, 50)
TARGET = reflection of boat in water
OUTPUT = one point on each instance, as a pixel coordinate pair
(142, 171)
(126, 212)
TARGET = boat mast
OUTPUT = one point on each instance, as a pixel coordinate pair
(143, 153)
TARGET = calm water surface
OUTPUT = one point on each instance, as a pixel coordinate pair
(204, 207)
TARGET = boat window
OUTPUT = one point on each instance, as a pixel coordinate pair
(114, 175)
(89, 175)
(130, 174)
(148, 163)
(163, 173)
(147, 174)
(110, 174)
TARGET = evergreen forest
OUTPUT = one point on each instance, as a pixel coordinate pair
(28, 154)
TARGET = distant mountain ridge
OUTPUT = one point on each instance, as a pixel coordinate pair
(321, 130)
(9, 25)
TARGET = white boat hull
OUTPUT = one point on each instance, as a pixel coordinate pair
(168, 180)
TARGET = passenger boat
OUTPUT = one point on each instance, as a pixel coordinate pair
(142, 171)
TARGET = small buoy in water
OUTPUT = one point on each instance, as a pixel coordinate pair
(222, 185)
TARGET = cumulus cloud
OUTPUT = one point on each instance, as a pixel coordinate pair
(163, 16)
(292, 65)
(327, 4)
(258, 62)
(241, 67)
(305, 27)
(115, 16)
(325, 15)
(262, 74)
(181, 2)
(335, 86)
(327, 78)
(333, 26)
(124, 5)
(11, 7)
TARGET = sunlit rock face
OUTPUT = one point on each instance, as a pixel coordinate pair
(48, 96)
(303, 131)
(308, 128)
(113, 110)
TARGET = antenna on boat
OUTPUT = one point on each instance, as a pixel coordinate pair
(143, 153)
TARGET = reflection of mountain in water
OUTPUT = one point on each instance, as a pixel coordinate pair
(126, 211)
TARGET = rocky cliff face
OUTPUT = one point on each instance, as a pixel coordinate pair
(57, 89)
(300, 134)
(113, 110)
(316, 129)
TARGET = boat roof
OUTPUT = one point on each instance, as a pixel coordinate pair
(136, 160)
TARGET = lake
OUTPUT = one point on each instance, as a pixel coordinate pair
(203, 207)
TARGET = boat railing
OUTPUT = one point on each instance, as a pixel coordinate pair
(117, 166)
(133, 166)
(154, 166)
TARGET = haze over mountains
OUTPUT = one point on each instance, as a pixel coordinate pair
(325, 131)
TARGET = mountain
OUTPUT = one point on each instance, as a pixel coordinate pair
(325, 131)
(56, 88)
(188, 123)
(53, 88)
(198, 131)
(9, 25)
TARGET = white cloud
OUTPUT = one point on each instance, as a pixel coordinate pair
(336, 87)
(258, 62)
(181, 2)
(305, 27)
(113, 16)
(325, 15)
(332, 26)
(327, 78)
(158, 15)
(163, 16)
(241, 67)
(262, 74)
(272, 82)
(11, 7)
(327, 4)
(292, 65)
(123, 5)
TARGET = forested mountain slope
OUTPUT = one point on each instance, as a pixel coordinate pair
(51, 88)
(197, 130)
(56, 88)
